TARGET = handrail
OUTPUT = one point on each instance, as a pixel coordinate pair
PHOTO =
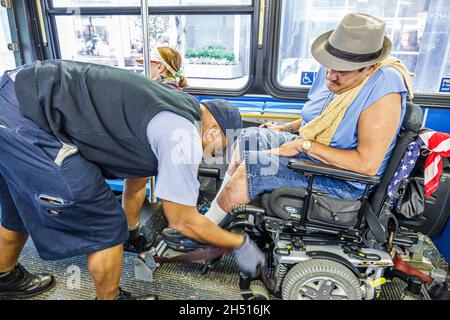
(147, 70)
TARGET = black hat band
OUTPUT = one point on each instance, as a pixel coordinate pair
(352, 57)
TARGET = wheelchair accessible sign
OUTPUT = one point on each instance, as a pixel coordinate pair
(445, 85)
(308, 78)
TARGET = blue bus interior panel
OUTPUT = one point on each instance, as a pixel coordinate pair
(283, 107)
(438, 120)
(443, 242)
(117, 185)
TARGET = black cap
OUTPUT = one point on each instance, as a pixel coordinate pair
(227, 116)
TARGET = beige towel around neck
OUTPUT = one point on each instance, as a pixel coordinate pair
(323, 128)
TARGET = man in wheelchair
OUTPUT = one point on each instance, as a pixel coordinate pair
(322, 180)
(351, 121)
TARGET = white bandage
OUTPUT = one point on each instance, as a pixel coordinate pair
(215, 212)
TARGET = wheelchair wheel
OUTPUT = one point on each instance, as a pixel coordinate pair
(321, 279)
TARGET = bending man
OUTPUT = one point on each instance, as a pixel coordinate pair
(66, 125)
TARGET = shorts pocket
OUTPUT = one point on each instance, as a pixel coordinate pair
(60, 216)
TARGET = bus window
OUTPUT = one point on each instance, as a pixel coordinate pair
(216, 48)
(129, 3)
(213, 36)
(7, 60)
(419, 30)
(110, 40)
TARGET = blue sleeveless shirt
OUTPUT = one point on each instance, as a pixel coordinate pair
(385, 81)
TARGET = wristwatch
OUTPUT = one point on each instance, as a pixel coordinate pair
(306, 145)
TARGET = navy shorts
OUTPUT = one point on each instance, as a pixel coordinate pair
(47, 189)
(266, 173)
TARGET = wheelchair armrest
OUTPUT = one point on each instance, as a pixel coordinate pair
(217, 169)
(321, 169)
(204, 171)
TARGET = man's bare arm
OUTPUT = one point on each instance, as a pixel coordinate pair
(377, 127)
(293, 126)
(190, 223)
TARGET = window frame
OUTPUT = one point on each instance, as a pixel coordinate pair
(11, 13)
(246, 10)
(275, 89)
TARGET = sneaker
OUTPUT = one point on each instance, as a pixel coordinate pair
(21, 284)
(125, 295)
(440, 291)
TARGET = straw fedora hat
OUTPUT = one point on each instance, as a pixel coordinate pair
(359, 41)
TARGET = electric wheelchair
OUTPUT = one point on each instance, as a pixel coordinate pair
(322, 248)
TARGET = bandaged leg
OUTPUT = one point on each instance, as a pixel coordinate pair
(215, 213)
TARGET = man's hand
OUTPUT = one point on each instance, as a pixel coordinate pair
(273, 126)
(195, 226)
(289, 149)
(250, 258)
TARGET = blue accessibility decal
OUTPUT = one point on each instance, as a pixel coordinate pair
(308, 78)
(445, 85)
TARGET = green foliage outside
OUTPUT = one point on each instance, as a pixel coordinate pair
(211, 55)
(158, 26)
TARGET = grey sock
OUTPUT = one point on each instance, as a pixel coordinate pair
(133, 232)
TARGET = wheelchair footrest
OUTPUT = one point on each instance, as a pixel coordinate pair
(177, 242)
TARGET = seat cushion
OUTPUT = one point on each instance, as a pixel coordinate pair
(286, 204)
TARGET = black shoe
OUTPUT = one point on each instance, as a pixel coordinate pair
(125, 295)
(137, 245)
(176, 241)
(21, 284)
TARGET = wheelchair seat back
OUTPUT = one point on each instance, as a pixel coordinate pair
(410, 129)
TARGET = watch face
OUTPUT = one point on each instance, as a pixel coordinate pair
(307, 145)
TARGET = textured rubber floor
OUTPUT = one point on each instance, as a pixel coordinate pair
(171, 281)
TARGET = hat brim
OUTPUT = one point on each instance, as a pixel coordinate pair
(331, 62)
